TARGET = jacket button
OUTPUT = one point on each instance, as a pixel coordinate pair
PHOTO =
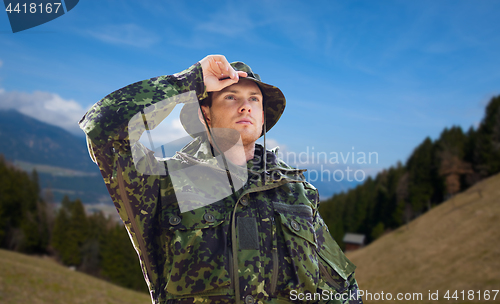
(249, 299)
(174, 220)
(209, 218)
(244, 201)
(295, 225)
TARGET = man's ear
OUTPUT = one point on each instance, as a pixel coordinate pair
(206, 111)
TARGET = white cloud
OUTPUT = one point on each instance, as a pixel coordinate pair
(240, 23)
(272, 143)
(167, 131)
(44, 106)
(125, 34)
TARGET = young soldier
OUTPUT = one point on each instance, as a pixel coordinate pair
(223, 220)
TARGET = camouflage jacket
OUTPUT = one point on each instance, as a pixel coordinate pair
(264, 243)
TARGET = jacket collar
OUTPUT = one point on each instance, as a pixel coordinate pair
(200, 150)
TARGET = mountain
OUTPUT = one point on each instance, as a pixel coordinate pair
(27, 139)
(452, 247)
(60, 158)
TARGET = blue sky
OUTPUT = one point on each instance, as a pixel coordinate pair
(363, 76)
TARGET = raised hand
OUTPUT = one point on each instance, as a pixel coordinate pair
(218, 73)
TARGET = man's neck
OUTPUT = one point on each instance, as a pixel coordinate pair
(240, 154)
(249, 151)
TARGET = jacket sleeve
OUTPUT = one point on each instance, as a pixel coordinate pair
(137, 193)
(108, 118)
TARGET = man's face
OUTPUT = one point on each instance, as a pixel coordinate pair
(238, 107)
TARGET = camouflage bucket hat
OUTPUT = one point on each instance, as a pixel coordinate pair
(274, 104)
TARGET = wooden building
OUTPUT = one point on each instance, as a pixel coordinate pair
(353, 241)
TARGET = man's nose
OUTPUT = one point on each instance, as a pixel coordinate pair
(245, 106)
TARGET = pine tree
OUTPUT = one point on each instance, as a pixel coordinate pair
(120, 263)
(91, 249)
(70, 232)
(60, 233)
(21, 222)
(423, 172)
(78, 228)
(35, 220)
(487, 141)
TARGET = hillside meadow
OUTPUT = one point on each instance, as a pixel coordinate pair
(453, 247)
(34, 280)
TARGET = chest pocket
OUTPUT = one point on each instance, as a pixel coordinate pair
(197, 249)
(300, 240)
(317, 259)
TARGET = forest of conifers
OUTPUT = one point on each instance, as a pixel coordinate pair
(100, 246)
(91, 243)
(434, 172)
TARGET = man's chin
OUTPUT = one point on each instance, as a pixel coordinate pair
(249, 138)
(248, 133)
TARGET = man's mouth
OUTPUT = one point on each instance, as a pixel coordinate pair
(245, 121)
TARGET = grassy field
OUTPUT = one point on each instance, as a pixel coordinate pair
(455, 247)
(33, 280)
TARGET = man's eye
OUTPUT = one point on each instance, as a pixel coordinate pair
(254, 99)
(230, 97)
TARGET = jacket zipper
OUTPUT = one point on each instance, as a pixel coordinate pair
(235, 257)
(231, 274)
(274, 279)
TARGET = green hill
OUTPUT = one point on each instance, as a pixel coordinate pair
(27, 279)
(455, 246)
